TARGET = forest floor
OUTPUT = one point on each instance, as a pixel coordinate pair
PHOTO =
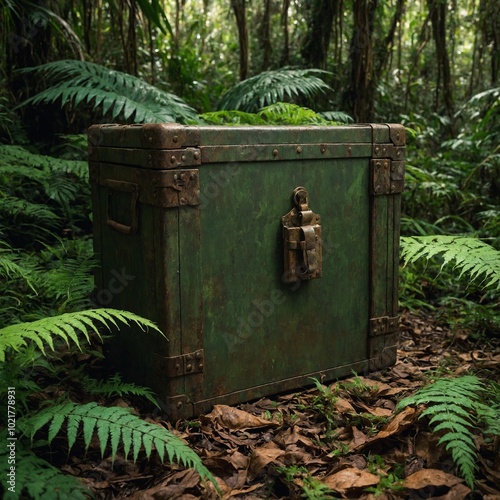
(344, 437)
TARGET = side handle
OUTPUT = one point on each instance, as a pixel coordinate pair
(123, 187)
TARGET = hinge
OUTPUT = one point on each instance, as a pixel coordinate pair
(387, 176)
(176, 188)
(383, 325)
(184, 364)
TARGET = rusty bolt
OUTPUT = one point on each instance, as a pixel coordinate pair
(196, 155)
(200, 366)
(175, 139)
(299, 150)
(183, 158)
(176, 177)
(183, 201)
(275, 152)
(177, 367)
(377, 149)
(189, 367)
(173, 159)
(193, 175)
(179, 405)
(198, 355)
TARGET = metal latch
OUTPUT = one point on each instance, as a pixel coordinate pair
(302, 240)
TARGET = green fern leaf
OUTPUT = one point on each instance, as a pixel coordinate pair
(112, 422)
(115, 386)
(270, 87)
(117, 93)
(453, 405)
(37, 479)
(472, 256)
(66, 327)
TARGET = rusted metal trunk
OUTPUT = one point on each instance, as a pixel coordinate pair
(267, 255)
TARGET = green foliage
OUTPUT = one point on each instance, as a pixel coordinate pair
(115, 386)
(35, 478)
(116, 93)
(114, 426)
(453, 406)
(281, 113)
(68, 326)
(471, 255)
(311, 488)
(270, 87)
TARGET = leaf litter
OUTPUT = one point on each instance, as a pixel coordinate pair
(338, 440)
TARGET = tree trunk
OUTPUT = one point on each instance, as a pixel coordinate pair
(321, 14)
(239, 8)
(285, 55)
(360, 96)
(437, 12)
(384, 51)
(265, 35)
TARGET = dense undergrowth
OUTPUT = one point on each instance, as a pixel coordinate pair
(46, 261)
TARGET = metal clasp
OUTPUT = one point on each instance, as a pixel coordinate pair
(302, 240)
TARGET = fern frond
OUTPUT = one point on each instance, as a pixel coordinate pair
(12, 206)
(115, 425)
(231, 117)
(69, 326)
(37, 479)
(116, 386)
(471, 255)
(275, 86)
(283, 113)
(337, 117)
(115, 92)
(452, 406)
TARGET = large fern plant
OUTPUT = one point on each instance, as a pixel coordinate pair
(471, 255)
(117, 94)
(456, 409)
(115, 428)
(270, 87)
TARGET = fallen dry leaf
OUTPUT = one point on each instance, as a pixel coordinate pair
(263, 456)
(430, 477)
(235, 419)
(348, 479)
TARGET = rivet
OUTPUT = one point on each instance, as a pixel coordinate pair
(176, 176)
(398, 153)
(275, 152)
(189, 367)
(377, 149)
(299, 150)
(200, 366)
(196, 155)
(183, 201)
(150, 157)
(323, 150)
(175, 139)
(183, 158)
(173, 159)
(193, 175)
(198, 355)
(349, 150)
(179, 405)
(178, 367)
(150, 139)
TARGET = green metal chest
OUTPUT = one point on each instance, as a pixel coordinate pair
(267, 255)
